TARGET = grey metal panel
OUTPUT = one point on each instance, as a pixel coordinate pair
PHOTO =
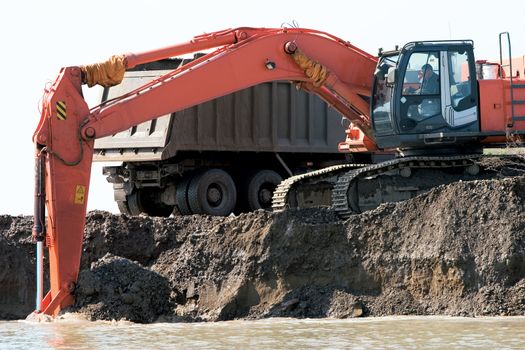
(269, 117)
(128, 155)
(150, 134)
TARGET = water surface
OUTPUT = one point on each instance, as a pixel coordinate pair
(365, 333)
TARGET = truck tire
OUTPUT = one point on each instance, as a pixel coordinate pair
(120, 196)
(147, 201)
(260, 187)
(133, 203)
(123, 208)
(181, 196)
(212, 192)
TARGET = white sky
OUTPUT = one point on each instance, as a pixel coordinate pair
(39, 37)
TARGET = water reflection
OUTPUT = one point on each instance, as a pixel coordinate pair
(368, 333)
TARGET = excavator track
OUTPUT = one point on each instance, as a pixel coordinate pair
(353, 188)
(345, 204)
(282, 195)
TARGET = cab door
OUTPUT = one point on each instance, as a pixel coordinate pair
(460, 103)
(436, 94)
(420, 102)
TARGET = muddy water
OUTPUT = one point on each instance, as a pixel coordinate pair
(369, 333)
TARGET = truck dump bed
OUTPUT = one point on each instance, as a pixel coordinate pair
(270, 117)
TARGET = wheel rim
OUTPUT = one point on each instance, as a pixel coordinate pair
(148, 201)
(260, 189)
(213, 192)
(214, 195)
(265, 196)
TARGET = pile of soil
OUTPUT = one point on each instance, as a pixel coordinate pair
(17, 267)
(456, 250)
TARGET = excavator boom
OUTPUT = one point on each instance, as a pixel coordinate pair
(253, 56)
(318, 62)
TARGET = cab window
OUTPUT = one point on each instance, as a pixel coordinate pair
(381, 109)
(420, 102)
(460, 81)
(422, 74)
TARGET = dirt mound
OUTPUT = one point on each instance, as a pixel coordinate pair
(456, 250)
(125, 288)
(17, 272)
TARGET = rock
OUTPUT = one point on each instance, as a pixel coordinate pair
(357, 310)
(39, 317)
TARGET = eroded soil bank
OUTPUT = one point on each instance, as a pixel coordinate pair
(456, 250)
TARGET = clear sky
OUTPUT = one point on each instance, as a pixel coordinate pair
(39, 37)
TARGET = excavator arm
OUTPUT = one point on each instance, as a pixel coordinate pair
(318, 62)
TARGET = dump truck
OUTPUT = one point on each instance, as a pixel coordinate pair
(252, 139)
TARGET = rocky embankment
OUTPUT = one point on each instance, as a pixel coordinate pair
(456, 250)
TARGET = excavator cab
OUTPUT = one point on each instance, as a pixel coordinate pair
(425, 94)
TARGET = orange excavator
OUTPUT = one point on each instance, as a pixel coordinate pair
(430, 102)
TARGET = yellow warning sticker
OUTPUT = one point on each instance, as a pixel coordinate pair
(80, 194)
(61, 110)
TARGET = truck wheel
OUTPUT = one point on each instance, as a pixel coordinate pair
(119, 193)
(181, 195)
(260, 189)
(147, 201)
(133, 202)
(212, 192)
(123, 208)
